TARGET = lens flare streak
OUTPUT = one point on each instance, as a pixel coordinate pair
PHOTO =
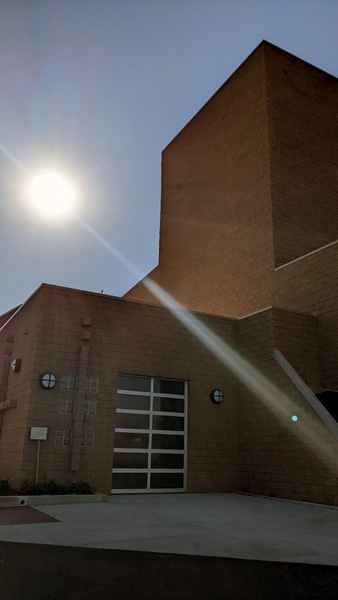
(266, 391)
(14, 160)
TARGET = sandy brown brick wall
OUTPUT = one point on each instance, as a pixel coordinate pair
(311, 284)
(295, 335)
(6, 316)
(17, 390)
(215, 234)
(279, 457)
(141, 292)
(216, 223)
(140, 339)
(251, 181)
(303, 133)
(247, 441)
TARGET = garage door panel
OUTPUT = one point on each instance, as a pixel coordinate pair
(168, 423)
(129, 481)
(130, 460)
(132, 383)
(167, 461)
(172, 405)
(171, 442)
(130, 401)
(131, 440)
(158, 448)
(132, 421)
(169, 386)
(166, 480)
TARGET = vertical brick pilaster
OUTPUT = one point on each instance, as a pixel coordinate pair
(5, 368)
(79, 408)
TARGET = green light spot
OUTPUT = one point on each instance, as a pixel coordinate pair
(294, 418)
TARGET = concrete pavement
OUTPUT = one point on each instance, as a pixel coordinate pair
(219, 525)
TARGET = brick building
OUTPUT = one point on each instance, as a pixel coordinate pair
(249, 246)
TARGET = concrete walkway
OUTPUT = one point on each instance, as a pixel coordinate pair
(222, 525)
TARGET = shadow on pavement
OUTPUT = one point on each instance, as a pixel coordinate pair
(43, 572)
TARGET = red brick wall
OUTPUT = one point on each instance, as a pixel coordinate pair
(303, 133)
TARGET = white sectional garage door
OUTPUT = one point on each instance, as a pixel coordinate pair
(149, 448)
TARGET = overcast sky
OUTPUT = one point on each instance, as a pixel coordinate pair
(96, 89)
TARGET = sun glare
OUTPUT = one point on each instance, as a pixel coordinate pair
(51, 195)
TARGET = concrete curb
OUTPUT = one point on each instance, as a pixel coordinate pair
(50, 500)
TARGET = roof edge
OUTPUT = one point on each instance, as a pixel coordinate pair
(262, 43)
(20, 307)
(15, 308)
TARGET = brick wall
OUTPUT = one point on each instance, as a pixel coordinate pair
(295, 335)
(303, 132)
(17, 340)
(216, 228)
(248, 441)
(139, 339)
(250, 183)
(279, 457)
(7, 315)
(311, 284)
(140, 291)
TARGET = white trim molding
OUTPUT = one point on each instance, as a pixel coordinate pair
(306, 255)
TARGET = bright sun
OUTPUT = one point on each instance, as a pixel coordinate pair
(51, 195)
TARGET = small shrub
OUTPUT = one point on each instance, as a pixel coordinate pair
(31, 488)
(4, 485)
(80, 487)
(51, 487)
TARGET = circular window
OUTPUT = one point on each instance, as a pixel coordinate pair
(216, 396)
(48, 381)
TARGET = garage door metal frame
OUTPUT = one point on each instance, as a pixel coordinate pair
(150, 450)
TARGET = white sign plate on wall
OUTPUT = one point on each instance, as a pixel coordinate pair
(39, 433)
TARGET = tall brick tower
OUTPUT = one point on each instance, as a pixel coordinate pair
(249, 184)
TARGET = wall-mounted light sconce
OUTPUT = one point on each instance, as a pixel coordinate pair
(16, 365)
(216, 396)
(48, 381)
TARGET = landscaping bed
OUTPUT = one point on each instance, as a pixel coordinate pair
(47, 492)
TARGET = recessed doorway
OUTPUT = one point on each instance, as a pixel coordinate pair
(329, 400)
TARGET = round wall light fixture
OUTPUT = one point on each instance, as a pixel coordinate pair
(48, 381)
(216, 396)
